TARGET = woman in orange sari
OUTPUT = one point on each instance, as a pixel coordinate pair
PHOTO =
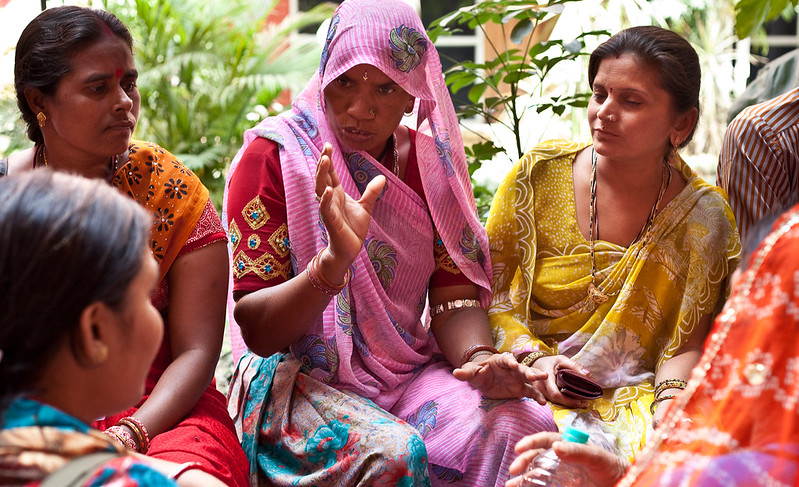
(737, 421)
(75, 79)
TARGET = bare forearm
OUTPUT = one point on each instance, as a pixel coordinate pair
(459, 329)
(464, 329)
(178, 390)
(196, 323)
(272, 318)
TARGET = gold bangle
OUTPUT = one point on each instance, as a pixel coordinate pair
(669, 384)
(659, 400)
(533, 356)
(454, 304)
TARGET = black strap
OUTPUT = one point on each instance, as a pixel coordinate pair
(78, 470)
(3, 167)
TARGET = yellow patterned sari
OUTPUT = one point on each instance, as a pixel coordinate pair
(659, 287)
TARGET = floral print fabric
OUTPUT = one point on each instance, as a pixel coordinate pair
(371, 344)
(159, 182)
(303, 432)
(660, 286)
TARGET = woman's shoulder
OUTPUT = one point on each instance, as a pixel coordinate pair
(20, 161)
(553, 149)
(160, 161)
(259, 164)
(144, 151)
(550, 158)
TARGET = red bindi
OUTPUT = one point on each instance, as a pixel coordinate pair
(119, 73)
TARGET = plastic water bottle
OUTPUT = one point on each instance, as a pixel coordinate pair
(547, 469)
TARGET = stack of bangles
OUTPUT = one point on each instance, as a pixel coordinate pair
(320, 282)
(663, 386)
(139, 441)
(476, 351)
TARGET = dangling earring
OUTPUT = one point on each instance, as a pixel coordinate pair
(42, 118)
(674, 145)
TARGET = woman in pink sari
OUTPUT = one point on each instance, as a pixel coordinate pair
(344, 224)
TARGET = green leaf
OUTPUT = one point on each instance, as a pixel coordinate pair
(515, 76)
(521, 30)
(476, 92)
(750, 15)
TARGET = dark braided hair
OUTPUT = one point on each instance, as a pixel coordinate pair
(65, 242)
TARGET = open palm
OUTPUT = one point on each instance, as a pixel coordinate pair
(345, 219)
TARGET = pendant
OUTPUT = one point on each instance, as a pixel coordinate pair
(595, 294)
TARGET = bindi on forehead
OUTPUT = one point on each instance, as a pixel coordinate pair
(118, 73)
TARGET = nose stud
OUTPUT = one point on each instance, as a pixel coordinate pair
(372, 112)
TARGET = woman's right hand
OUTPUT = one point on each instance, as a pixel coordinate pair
(345, 219)
(601, 466)
(549, 387)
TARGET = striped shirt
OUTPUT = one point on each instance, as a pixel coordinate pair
(759, 161)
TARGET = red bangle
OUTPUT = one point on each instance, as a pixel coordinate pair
(474, 349)
(139, 430)
(122, 436)
(320, 282)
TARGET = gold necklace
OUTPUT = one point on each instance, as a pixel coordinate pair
(113, 164)
(594, 293)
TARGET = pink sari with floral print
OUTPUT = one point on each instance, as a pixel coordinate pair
(371, 349)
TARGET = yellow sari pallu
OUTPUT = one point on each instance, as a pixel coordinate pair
(658, 288)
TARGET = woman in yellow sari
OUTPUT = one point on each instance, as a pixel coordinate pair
(610, 260)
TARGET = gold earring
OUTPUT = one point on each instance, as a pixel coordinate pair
(674, 145)
(42, 118)
(101, 354)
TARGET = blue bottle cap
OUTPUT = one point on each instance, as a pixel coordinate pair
(575, 435)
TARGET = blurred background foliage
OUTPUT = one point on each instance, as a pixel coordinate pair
(211, 69)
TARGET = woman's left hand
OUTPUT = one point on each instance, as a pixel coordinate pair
(500, 376)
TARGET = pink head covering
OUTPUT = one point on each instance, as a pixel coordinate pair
(389, 35)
